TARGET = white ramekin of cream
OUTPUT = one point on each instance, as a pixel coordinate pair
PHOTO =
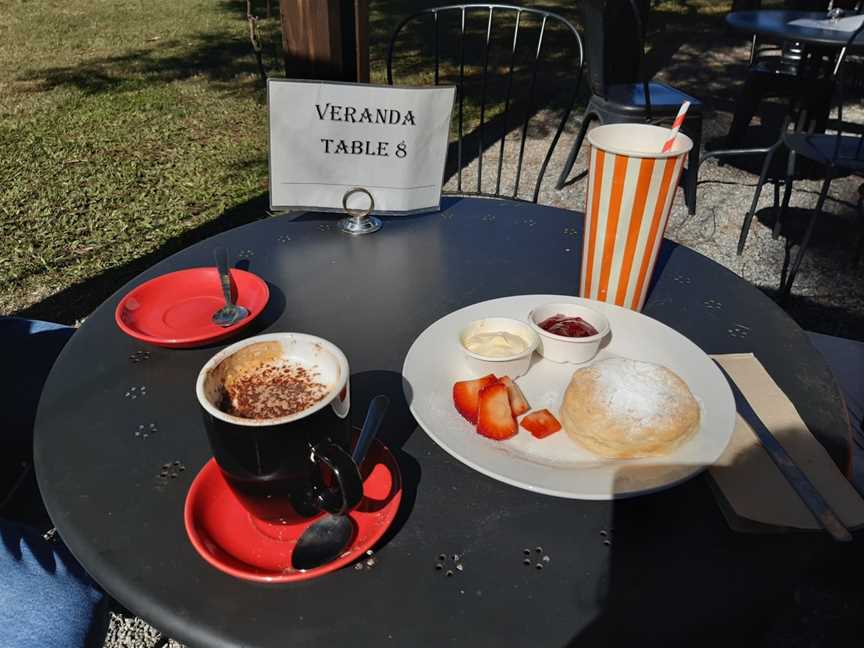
(498, 345)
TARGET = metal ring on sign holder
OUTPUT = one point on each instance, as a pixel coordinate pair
(358, 221)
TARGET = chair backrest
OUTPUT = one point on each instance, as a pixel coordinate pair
(518, 60)
(618, 31)
(615, 40)
(844, 146)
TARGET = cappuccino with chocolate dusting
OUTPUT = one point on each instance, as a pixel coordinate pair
(272, 390)
(259, 383)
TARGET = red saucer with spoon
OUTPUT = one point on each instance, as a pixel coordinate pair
(225, 535)
(176, 310)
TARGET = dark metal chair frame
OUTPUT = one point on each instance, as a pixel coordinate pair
(606, 109)
(545, 17)
(828, 150)
(787, 69)
(792, 74)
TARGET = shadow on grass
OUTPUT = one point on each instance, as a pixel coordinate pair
(222, 58)
(81, 299)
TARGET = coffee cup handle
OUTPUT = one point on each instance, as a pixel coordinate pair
(347, 476)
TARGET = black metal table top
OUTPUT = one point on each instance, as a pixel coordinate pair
(776, 23)
(664, 565)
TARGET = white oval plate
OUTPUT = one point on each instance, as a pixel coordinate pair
(557, 465)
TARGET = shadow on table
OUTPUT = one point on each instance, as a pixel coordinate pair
(769, 589)
(274, 309)
(332, 217)
(667, 249)
(398, 425)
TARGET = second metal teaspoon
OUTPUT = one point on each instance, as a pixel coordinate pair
(325, 540)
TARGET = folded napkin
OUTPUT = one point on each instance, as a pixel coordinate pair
(848, 24)
(753, 494)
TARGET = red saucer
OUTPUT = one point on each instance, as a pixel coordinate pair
(174, 310)
(224, 534)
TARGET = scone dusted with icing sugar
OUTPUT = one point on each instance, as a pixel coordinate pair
(624, 409)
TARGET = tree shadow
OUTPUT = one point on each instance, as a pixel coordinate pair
(218, 57)
(223, 58)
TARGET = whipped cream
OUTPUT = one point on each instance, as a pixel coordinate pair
(496, 344)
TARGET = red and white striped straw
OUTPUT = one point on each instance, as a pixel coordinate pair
(676, 125)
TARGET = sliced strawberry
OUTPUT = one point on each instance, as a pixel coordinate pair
(518, 404)
(494, 417)
(466, 395)
(541, 423)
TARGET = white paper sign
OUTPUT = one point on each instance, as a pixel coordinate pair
(329, 138)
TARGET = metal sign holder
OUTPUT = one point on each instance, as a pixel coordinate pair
(359, 221)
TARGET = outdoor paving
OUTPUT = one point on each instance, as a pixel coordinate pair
(828, 294)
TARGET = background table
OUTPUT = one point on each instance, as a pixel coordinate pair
(775, 23)
(673, 571)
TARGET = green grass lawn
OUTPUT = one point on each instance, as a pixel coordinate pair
(122, 126)
(129, 130)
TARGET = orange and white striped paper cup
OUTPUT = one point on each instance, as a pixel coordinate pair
(631, 184)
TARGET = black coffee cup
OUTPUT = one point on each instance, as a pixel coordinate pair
(283, 467)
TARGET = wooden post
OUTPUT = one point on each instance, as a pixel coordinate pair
(361, 39)
(325, 39)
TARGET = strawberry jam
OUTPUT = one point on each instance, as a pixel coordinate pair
(567, 326)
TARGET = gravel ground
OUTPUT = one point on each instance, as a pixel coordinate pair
(131, 632)
(828, 295)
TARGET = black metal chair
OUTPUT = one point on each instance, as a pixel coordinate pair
(496, 34)
(787, 70)
(615, 36)
(838, 153)
(793, 73)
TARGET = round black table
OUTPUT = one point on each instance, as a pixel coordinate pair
(673, 570)
(776, 23)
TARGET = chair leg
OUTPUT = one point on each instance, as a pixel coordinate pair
(746, 104)
(860, 250)
(693, 166)
(574, 152)
(786, 287)
(748, 218)
(787, 194)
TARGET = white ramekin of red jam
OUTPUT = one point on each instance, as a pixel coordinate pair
(568, 332)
